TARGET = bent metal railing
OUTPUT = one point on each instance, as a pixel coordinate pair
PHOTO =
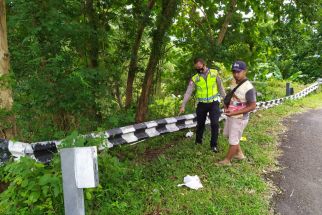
(43, 151)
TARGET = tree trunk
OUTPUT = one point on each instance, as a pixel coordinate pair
(134, 56)
(93, 38)
(164, 22)
(158, 80)
(224, 26)
(6, 100)
(117, 94)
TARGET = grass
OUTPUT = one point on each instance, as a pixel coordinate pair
(143, 178)
(273, 89)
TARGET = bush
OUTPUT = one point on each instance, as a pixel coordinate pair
(273, 89)
(165, 107)
(35, 188)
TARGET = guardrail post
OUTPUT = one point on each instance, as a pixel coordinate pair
(319, 80)
(288, 89)
(79, 169)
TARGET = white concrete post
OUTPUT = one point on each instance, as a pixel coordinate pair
(80, 170)
(320, 80)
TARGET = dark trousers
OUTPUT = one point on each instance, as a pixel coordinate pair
(214, 114)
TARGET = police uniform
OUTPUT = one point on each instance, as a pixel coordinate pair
(208, 97)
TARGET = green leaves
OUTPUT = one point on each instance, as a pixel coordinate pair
(73, 140)
(33, 197)
(57, 91)
(34, 188)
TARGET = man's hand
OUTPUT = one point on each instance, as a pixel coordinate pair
(181, 110)
(229, 113)
(225, 109)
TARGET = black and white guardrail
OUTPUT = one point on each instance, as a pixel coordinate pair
(43, 151)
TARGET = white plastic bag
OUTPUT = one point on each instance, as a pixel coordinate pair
(189, 134)
(192, 182)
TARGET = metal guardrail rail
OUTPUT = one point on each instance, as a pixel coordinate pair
(43, 151)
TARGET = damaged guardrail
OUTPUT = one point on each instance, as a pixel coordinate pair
(43, 151)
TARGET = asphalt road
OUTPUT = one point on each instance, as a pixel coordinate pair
(301, 178)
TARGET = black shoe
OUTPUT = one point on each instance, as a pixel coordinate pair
(214, 149)
(198, 143)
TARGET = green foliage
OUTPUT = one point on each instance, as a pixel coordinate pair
(57, 89)
(120, 185)
(167, 106)
(73, 140)
(142, 179)
(34, 188)
(273, 89)
(120, 118)
(161, 163)
(112, 115)
(4, 115)
(77, 140)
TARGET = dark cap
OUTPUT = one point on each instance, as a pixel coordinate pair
(238, 66)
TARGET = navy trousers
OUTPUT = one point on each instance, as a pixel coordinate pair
(214, 114)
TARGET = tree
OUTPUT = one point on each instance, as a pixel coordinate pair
(93, 38)
(6, 100)
(164, 21)
(134, 55)
(224, 27)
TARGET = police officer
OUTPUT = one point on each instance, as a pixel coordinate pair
(209, 88)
